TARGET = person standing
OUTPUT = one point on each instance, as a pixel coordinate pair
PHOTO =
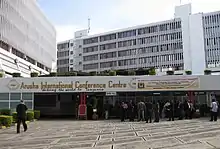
(107, 109)
(181, 110)
(171, 111)
(156, 112)
(149, 111)
(21, 116)
(214, 110)
(124, 108)
(131, 111)
(141, 110)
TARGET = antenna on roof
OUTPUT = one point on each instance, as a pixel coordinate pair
(88, 24)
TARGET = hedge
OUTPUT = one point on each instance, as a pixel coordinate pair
(1, 75)
(16, 74)
(6, 120)
(36, 114)
(5, 112)
(14, 116)
(30, 115)
(34, 74)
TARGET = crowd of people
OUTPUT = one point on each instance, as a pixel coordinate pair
(154, 111)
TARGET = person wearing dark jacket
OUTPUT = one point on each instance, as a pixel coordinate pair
(131, 111)
(171, 111)
(156, 112)
(21, 116)
(149, 112)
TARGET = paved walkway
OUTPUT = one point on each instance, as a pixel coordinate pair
(185, 134)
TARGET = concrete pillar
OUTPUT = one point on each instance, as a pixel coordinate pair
(10, 49)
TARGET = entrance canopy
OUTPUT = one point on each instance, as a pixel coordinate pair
(110, 84)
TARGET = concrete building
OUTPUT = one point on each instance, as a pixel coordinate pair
(27, 38)
(187, 42)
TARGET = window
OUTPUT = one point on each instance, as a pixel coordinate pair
(15, 96)
(71, 52)
(27, 96)
(4, 96)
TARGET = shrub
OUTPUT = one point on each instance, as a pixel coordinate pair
(1, 75)
(112, 73)
(152, 71)
(6, 120)
(53, 74)
(170, 72)
(188, 72)
(34, 74)
(207, 72)
(5, 112)
(37, 114)
(16, 74)
(30, 115)
(14, 116)
(93, 73)
(131, 73)
(72, 73)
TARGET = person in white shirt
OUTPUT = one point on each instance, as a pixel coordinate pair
(214, 110)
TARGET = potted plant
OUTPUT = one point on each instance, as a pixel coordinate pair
(93, 73)
(188, 72)
(131, 73)
(53, 74)
(112, 73)
(1, 75)
(207, 72)
(152, 71)
(34, 74)
(16, 74)
(170, 72)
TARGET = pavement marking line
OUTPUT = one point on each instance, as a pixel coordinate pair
(180, 140)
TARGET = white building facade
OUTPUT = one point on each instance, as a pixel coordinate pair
(187, 42)
(27, 38)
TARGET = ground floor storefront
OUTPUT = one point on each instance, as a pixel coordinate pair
(66, 104)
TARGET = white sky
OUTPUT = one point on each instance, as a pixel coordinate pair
(137, 12)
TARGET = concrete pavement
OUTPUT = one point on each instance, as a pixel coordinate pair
(67, 134)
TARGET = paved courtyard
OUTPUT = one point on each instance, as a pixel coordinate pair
(184, 134)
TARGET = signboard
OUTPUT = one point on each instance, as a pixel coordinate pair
(111, 93)
(168, 84)
(68, 84)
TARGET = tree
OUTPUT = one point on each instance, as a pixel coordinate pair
(188, 72)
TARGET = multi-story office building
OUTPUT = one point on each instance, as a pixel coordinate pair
(27, 38)
(187, 42)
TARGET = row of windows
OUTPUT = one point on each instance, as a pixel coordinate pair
(154, 39)
(108, 55)
(62, 54)
(107, 37)
(62, 69)
(127, 52)
(127, 34)
(63, 62)
(145, 60)
(151, 49)
(90, 49)
(162, 27)
(213, 41)
(108, 46)
(164, 47)
(90, 66)
(213, 53)
(212, 19)
(16, 52)
(90, 40)
(127, 62)
(146, 40)
(161, 58)
(15, 96)
(108, 64)
(90, 57)
(127, 43)
(131, 33)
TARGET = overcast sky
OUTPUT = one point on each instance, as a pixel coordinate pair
(69, 16)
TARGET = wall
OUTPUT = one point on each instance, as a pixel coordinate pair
(197, 49)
